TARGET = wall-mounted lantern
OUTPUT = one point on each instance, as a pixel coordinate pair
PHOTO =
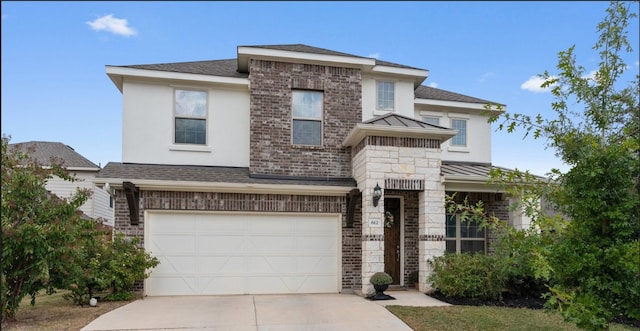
(377, 194)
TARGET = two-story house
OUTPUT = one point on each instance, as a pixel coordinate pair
(99, 205)
(295, 169)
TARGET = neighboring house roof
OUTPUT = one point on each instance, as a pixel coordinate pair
(211, 174)
(426, 92)
(44, 152)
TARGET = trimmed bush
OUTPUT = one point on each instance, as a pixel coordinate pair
(381, 278)
(473, 276)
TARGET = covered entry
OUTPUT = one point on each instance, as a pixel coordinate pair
(243, 253)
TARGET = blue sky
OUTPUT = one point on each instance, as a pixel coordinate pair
(54, 85)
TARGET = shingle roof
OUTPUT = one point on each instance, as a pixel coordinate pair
(426, 92)
(225, 68)
(229, 67)
(189, 173)
(45, 151)
(392, 119)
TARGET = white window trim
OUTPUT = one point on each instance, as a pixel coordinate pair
(321, 120)
(395, 94)
(190, 147)
(458, 239)
(460, 148)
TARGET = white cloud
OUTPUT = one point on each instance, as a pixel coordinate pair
(374, 55)
(485, 76)
(111, 24)
(533, 84)
(433, 84)
(637, 63)
(591, 75)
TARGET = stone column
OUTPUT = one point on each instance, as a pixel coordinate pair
(372, 236)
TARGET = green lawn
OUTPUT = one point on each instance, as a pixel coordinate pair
(469, 318)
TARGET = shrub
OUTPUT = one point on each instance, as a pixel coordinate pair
(128, 263)
(473, 276)
(413, 277)
(381, 278)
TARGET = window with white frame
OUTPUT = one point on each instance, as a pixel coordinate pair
(307, 117)
(464, 237)
(460, 139)
(190, 117)
(431, 120)
(386, 95)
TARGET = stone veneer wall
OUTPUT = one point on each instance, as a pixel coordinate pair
(378, 159)
(272, 152)
(214, 201)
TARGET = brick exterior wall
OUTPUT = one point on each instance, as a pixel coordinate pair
(214, 201)
(272, 152)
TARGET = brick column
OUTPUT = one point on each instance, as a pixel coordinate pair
(431, 229)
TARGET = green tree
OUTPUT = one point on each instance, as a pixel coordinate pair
(38, 229)
(594, 259)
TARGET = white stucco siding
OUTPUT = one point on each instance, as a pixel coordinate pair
(478, 148)
(404, 104)
(148, 126)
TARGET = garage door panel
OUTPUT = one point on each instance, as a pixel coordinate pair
(219, 243)
(176, 265)
(173, 243)
(210, 254)
(220, 226)
(171, 285)
(265, 244)
(317, 243)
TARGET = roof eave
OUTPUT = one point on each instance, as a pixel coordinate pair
(162, 185)
(493, 107)
(117, 75)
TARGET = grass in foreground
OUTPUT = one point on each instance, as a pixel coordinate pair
(53, 313)
(472, 318)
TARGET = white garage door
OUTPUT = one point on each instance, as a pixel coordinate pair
(207, 254)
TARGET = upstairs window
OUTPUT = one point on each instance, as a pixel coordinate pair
(386, 96)
(431, 120)
(464, 237)
(190, 113)
(459, 139)
(307, 118)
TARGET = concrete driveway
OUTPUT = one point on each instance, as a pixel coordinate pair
(259, 312)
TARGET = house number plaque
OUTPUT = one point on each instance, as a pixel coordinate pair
(375, 223)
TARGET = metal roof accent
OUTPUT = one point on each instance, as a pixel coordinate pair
(393, 119)
(46, 153)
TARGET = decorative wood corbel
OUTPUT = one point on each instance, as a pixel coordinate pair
(352, 199)
(133, 200)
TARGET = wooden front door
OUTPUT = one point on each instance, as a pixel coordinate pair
(392, 239)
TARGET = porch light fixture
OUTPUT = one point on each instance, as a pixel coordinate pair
(377, 194)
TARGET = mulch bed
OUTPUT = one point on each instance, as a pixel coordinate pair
(508, 300)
